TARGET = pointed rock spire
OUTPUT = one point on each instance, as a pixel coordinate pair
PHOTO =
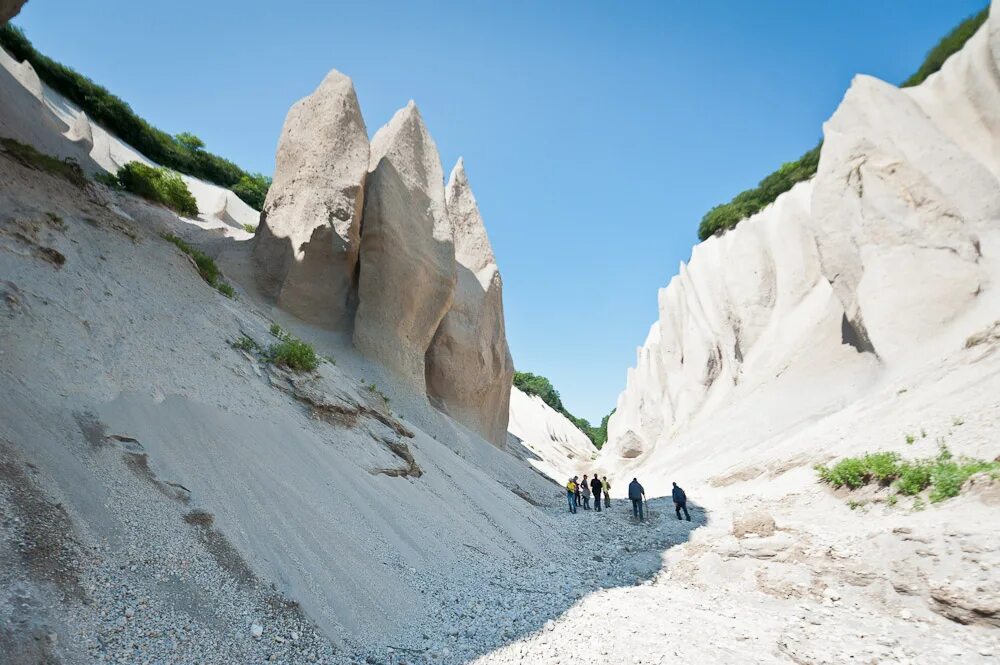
(407, 268)
(469, 367)
(306, 248)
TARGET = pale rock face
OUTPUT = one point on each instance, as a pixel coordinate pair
(469, 368)
(553, 444)
(883, 262)
(407, 266)
(81, 133)
(306, 247)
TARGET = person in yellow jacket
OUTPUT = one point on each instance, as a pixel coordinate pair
(607, 492)
(571, 494)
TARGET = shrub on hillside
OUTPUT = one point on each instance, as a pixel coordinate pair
(206, 265)
(252, 189)
(294, 354)
(183, 153)
(160, 185)
(944, 474)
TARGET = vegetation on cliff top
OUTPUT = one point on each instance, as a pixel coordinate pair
(185, 152)
(723, 217)
(533, 384)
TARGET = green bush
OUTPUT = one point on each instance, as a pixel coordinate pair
(250, 228)
(207, 267)
(160, 185)
(226, 289)
(28, 156)
(726, 216)
(294, 354)
(252, 189)
(943, 474)
(949, 45)
(183, 153)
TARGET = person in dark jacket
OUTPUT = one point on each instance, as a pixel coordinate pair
(596, 487)
(680, 502)
(636, 493)
(577, 496)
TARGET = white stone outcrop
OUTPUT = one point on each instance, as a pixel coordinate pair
(81, 133)
(306, 247)
(407, 268)
(469, 368)
(552, 444)
(884, 261)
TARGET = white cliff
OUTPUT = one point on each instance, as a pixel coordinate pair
(885, 261)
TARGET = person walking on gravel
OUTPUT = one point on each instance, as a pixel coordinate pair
(576, 493)
(585, 490)
(680, 502)
(596, 486)
(571, 494)
(636, 493)
(607, 492)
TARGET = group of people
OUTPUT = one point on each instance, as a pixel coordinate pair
(579, 492)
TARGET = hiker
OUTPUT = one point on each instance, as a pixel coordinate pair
(576, 494)
(571, 494)
(637, 494)
(586, 493)
(596, 486)
(680, 502)
(607, 492)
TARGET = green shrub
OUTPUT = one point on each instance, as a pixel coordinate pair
(183, 153)
(27, 155)
(246, 343)
(250, 228)
(207, 267)
(252, 189)
(226, 289)
(294, 354)
(723, 217)
(158, 184)
(277, 331)
(949, 45)
(914, 477)
(108, 179)
(944, 474)
(909, 438)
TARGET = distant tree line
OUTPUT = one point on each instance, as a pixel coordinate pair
(723, 217)
(533, 384)
(185, 152)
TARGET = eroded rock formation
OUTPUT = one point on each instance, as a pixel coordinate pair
(9, 9)
(407, 275)
(469, 368)
(306, 248)
(885, 260)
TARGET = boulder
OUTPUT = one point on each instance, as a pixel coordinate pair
(468, 365)
(306, 248)
(407, 273)
(756, 522)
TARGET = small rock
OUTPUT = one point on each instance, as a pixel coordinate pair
(832, 594)
(550, 625)
(129, 612)
(256, 630)
(905, 614)
(295, 635)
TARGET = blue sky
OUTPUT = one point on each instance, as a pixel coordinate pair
(595, 134)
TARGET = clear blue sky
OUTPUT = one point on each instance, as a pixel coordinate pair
(595, 134)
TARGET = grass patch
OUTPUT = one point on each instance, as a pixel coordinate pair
(943, 475)
(160, 185)
(250, 228)
(207, 267)
(294, 354)
(66, 169)
(246, 343)
(910, 439)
